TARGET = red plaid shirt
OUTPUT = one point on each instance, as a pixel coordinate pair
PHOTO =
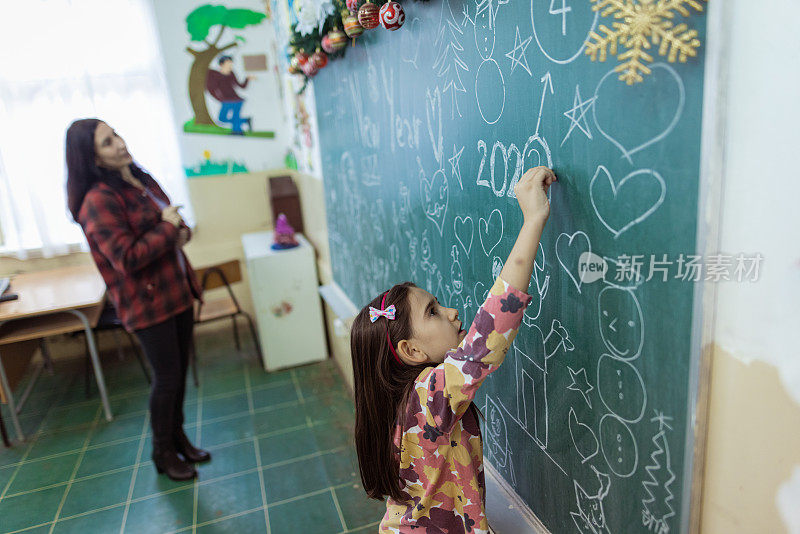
(136, 254)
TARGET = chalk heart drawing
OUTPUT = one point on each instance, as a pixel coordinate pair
(621, 388)
(569, 249)
(433, 112)
(435, 196)
(621, 322)
(618, 446)
(490, 232)
(412, 42)
(639, 100)
(464, 228)
(583, 438)
(623, 205)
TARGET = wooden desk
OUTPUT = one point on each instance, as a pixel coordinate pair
(52, 302)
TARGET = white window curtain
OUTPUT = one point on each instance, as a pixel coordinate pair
(63, 60)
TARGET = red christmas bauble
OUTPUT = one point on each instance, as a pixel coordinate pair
(368, 16)
(352, 5)
(337, 40)
(352, 27)
(309, 68)
(319, 59)
(326, 44)
(301, 58)
(392, 16)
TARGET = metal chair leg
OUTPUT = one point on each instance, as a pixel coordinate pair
(87, 376)
(6, 441)
(255, 336)
(236, 333)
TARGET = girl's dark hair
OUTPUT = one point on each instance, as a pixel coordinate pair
(82, 169)
(381, 386)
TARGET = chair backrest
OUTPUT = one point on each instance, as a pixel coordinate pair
(214, 276)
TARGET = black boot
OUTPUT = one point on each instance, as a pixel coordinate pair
(189, 451)
(167, 461)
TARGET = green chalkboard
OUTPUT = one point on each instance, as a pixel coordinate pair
(423, 133)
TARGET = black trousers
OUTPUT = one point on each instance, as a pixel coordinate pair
(167, 346)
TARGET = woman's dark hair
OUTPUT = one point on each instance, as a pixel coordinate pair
(382, 386)
(82, 169)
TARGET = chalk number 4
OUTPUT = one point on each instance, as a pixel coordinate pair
(563, 10)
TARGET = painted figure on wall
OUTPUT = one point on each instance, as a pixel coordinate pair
(221, 84)
(207, 25)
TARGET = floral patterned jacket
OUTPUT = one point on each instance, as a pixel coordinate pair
(439, 441)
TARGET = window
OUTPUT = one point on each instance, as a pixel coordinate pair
(64, 60)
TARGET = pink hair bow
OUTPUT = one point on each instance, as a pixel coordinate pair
(374, 313)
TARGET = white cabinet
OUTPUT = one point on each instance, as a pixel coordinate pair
(288, 309)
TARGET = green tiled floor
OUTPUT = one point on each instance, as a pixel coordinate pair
(283, 458)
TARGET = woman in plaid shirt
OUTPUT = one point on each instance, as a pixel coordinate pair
(136, 240)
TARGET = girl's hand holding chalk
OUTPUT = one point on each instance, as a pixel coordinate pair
(531, 191)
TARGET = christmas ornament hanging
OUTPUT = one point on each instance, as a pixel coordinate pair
(325, 43)
(309, 68)
(352, 27)
(337, 40)
(368, 16)
(352, 5)
(319, 59)
(392, 15)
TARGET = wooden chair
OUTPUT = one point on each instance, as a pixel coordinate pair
(213, 277)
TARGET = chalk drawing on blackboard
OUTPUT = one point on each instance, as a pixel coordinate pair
(490, 91)
(433, 112)
(579, 41)
(591, 517)
(621, 322)
(412, 252)
(464, 230)
(583, 438)
(370, 170)
(662, 86)
(569, 249)
(455, 169)
(580, 384)
(435, 196)
(657, 507)
(497, 267)
(532, 373)
(497, 448)
(480, 292)
(411, 41)
(517, 54)
(405, 203)
(619, 446)
(448, 61)
(456, 273)
(621, 388)
(620, 209)
(490, 231)
(537, 288)
(577, 114)
(347, 170)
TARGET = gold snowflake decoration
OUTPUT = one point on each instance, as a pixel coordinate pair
(641, 24)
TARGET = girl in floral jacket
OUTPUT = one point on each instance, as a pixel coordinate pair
(416, 373)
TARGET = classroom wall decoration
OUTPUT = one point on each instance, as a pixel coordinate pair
(424, 133)
(223, 78)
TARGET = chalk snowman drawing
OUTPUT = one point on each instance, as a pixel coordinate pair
(490, 87)
(591, 517)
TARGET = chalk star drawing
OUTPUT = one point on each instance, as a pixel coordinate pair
(662, 420)
(580, 384)
(454, 165)
(579, 106)
(521, 59)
